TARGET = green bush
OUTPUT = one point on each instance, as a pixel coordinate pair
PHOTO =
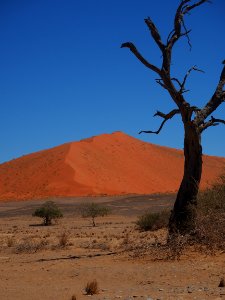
(48, 211)
(153, 221)
(93, 210)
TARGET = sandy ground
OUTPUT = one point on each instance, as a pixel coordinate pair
(34, 266)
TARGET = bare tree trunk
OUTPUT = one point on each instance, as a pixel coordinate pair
(183, 216)
(47, 221)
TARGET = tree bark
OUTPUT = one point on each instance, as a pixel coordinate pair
(47, 221)
(183, 215)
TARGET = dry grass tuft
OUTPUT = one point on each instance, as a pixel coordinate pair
(64, 240)
(10, 241)
(92, 288)
(153, 221)
(31, 246)
(209, 236)
(210, 224)
(222, 283)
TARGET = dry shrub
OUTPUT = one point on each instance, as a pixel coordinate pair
(214, 197)
(222, 282)
(101, 245)
(176, 246)
(208, 237)
(92, 288)
(210, 224)
(10, 241)
(31, 246)
(95, 245)
(153, 221)
(210, 232)
(64, 240)
(126, 243)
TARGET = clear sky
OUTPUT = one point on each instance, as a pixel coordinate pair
(63, 76)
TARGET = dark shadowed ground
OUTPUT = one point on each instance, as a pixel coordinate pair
(129, 205)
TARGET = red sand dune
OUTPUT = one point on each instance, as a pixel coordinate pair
(108, 164)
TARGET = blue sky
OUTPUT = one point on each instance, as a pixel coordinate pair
(63, 76)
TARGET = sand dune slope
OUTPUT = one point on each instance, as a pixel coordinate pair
(106, 164)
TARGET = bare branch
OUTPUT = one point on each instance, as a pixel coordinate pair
(165, 79)
(160, 82)
(177, 80)
(187, 34)
(134, 50)
(218, 120)
(189, 8)
(155, 33)
(211, 122)
(217, 98)
(169, 87)
(182, 86)
(176, 33)
(178, 22)
(166, 117)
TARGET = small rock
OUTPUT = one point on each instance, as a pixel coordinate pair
(160, 290)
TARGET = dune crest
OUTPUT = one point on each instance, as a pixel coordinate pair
(109, 164)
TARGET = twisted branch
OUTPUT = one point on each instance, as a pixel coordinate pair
(176, 33)
(134, 50)
(212, 122)
(166, 117)
(165, 79)
(217, 98)
(182, 86)
(155, 33)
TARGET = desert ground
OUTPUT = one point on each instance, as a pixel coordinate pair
(56, 262)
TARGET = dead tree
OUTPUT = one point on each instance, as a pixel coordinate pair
(195, 120)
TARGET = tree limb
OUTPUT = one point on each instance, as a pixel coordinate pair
(182, 86)
(176, 33)
(155, 33)
(217, 98)
(134, 50)
(166, 117)
(177, 80)
(187, 35)
(212, 122)
(165, 80)
(189, 8)
(218, 120)
(160, 82)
